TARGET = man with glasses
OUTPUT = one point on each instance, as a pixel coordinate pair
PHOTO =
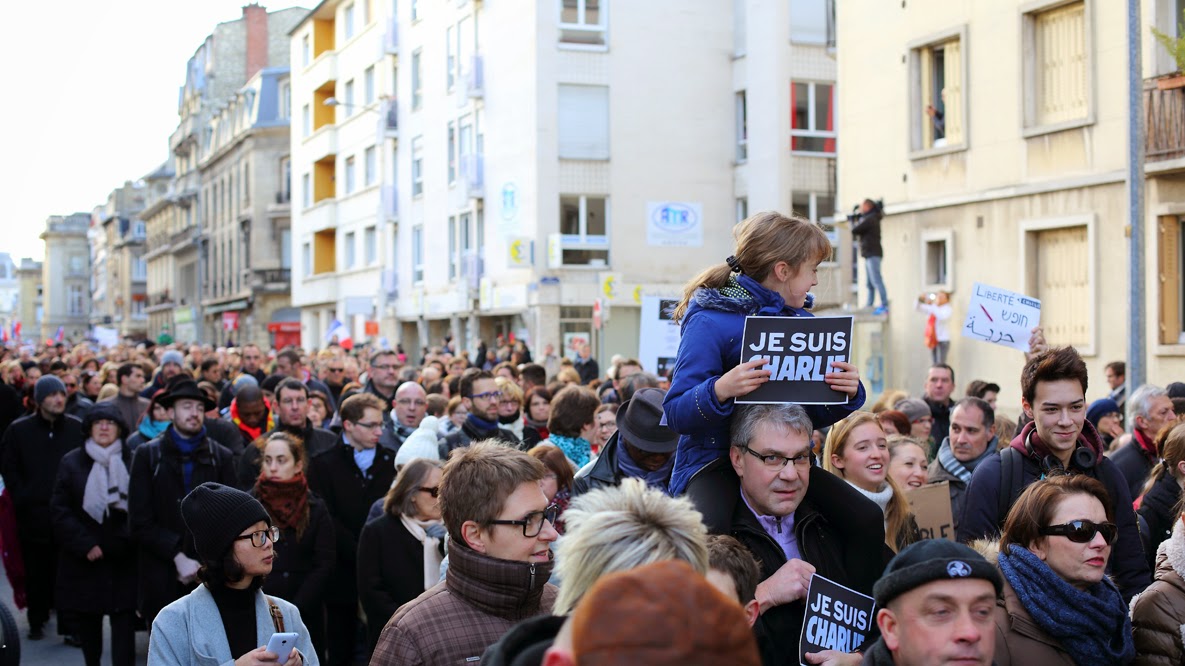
(382, 382)
(349, 477)
(500, 526)
(77, 404)
(288, 364)
(794, 517)
(292, 412)
(411, 404)
(480, 395)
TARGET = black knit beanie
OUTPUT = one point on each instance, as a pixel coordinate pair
(930, 560)
(215, 514)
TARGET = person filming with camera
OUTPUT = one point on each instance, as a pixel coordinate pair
(866, 226)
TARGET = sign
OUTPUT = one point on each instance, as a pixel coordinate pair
(509, 201)
(931, 509)
(837, 618)
(674, 224)
(1001, 317)
(519, 253)
(598, 314)
(230, 321)
(105, 336)
(555, 251)
(800, 351)
(573, 342)
(370, 328)
(658, 335)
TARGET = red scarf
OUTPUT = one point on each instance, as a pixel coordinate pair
(255, 432)
(286, 501)
(1148, 447)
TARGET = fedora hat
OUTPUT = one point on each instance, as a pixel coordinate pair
(186, 389)
(639, 420)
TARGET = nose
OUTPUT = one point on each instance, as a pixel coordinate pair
(548, 533)
(1064, 417)
(966, 629)
(1097, 541)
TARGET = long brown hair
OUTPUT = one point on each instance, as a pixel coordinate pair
(762, 240)
(1171, 444)
(897, 512)
(297, 451)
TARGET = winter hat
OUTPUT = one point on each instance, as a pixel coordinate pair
(244, 380)
(660, 613)
(930, 560)
(47, 386)
(104, 411)
(914, 408)
(1100, 408)
(1176, 390)
(172, 356)
(215, 514)
(422, 443)
(271, 382)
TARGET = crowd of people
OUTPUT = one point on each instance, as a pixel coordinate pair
(519, 508)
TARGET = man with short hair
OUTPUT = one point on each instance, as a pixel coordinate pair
(940, 383)
(972, 440)
(641, 448)
(411, 403)
(531, 376)
(211, 371)
(172, 363)
(1151, 410)
(250, 413)
(77, 404)
(733, 571)
(252, 360)
(288, 364)
(929, 575)
(796, 518)
(500, 528)
(128, 401)
(636, 382)
(1116, 374)
(1053, 389)
(349, 477)
(586, 366)
(292, 417)
(382, 382)
(480, 395)
(32, 448)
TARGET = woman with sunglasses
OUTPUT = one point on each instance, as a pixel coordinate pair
(1059, 606)
(399, 552)
(228, 618)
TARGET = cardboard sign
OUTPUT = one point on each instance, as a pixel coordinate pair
(658, 339)
(931, 508)
(1001, 317)
(800, 352)
(837, 618)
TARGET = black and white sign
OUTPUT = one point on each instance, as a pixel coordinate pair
(800, 352)
(837, 618)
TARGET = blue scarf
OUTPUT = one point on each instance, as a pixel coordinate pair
(656, 479)
(152, 429)
(481, 424)
(577, 449)
(187, 447)
(1092, 625)
(962, 470)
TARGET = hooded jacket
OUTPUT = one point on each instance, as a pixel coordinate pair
(981, 512)
(454, 622)
(711, 346)
(1158, 613)
(868, 230)
(1159, 511)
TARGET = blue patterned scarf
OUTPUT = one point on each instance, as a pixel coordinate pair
(962, 470)
(577, 449)
(1091, 625)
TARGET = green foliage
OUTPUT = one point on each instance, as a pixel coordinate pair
(1174, 45)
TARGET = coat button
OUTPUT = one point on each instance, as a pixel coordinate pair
(285, 574)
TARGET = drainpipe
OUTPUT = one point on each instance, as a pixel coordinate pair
(1135, 375)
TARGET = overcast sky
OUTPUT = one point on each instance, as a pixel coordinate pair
(91, 89)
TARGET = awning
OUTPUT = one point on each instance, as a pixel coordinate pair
(285, 320)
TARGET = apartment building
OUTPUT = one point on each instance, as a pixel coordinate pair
(30, 298)
(119, 272)
(471, 169)
(996, 132)
(162, 219)
(66, 270)
(9, 291)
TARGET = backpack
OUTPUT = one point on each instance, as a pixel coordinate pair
(1012, 465)
(154, 456)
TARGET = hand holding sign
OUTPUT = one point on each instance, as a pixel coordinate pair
(806, 359)
(837, 620)
(1001, 317)
(742, 380)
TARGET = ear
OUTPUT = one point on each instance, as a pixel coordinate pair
(752, 612)
(474, 537)
(888, 625)
(837, 462)
(1180, 469)
(736, 456)
(1024, 404)
(1038, 548)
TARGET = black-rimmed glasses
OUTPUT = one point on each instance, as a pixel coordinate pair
(532, 524)
(775, 461)
(1082, 531)
(261, 538)
(434, 492)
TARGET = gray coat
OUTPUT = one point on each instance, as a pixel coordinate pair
(189, 631)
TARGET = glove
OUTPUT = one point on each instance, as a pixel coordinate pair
(187, 568)
(436, 530)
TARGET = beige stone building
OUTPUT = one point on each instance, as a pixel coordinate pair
(65, 273)
(162, 218)
(119, 272)
(30, 298)
(1021, 183)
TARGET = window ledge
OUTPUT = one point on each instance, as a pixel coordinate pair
(811, 153)
(935, 152)
(1039, 130)
(1170, 350)
(587, 48)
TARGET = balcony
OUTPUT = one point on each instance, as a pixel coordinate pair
(473, 171)
(321, 143)
(159, 301)
(271, 280)
(1165, 119)
(321, 71)
(390, 114)
(183, 240)
(475, 78)
(391, 37)
(389, 203)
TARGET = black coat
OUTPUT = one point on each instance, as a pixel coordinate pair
(154, 509)
(32, 450)
(390, 569)
(469, 433)
(348, 494)
(940, 411)
(78, 405)
(11, 406)
(302, 567)
(839, 531)
(227, 434)
(587, 369)
(868, 229)
(1133, 463)
(316, 441)
(1159, 511)
(603, 472)
(108, 584)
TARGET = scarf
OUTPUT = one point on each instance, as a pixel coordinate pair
(152, 429)
(656, 479)
(252, 432)
(1146, 447)
(539, 426)
(510, 420)
(577, 449)
(1091, 625)
(286, 501)
(481, 424)
(107, 484)
(417, 528)
(962, 470)
(364, 459)
(187, 447)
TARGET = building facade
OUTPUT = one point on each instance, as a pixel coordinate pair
(119, 290)
(162, 218)
(29, 314)
(9, 292)
(66, 270)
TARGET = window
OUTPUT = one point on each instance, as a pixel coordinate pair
(75, 300)
(742, 208)
(139, 229)
(415, 10)
(348, 21)
(450, 63)
(742, 129)
(306, 121)
(1171, 267)
(351, 249)
(348, 106)
(1056, 253)
(583, 122)
(584, 230)
(466, 45)
(1056, 67)
(285, 94)
(417, 91)
(452, 152)
(938, 117)
(370, 245)
(77, 264)
(417, 166)
(285, 194)
(351, 183)
(583, 22)
(417, 254)
(372, 171)
(812, 22)
(812, 125)
(139, 268)
(306, 259)
(325, 251)
(368, 85)
(286, 248)
(452, 248)
(306, 190)
(937, 258)
(306, 50)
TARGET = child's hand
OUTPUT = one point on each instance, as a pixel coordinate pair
(742, 380)
(845, 378)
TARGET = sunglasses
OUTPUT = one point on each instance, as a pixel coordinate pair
(434, 492)
(1082, 531)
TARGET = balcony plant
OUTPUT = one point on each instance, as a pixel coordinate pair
(1175, 46)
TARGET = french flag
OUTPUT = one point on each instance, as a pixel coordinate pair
(57, 337)
(338, 329)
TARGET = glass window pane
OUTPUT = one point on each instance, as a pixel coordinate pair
(823, 109)
(570, 215)
(568, 14)
(810, 144)
(592, 12)
(595, 224)
(801, 101)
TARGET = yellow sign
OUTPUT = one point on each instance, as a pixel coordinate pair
(638, 294)
(519, 252)
(610, 285)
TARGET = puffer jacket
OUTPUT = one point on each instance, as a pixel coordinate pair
(711, 346)
(1158, 508)
(1158, 613)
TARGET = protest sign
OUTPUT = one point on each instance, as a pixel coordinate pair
(1001, 317)
(658, 339)
(800, 351)
(837, 618)
(931, 509)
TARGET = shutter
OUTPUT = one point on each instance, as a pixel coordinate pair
(927, 75)
(584, 122)
(1169, 270)
(952, 93)
(1063, 286)
(1061, 77)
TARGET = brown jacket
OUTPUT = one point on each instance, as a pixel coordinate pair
(480, 600)
(1158, 613)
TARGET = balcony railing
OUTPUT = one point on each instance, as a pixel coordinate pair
(473, 170)
(1165, 118)
(391, 38)
(274, 275)
(389, 202)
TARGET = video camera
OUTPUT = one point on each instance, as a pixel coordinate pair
(877, 204)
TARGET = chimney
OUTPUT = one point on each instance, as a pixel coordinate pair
(255, 17)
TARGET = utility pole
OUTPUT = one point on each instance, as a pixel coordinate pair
(1135, 201)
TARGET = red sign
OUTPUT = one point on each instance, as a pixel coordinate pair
(230, 321)
(372, 328)
(284, 327)
(598, 314)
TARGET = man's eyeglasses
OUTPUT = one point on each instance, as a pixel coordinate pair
(337, 369)
(488, 395)
(406, 402)
(386, 367)
(262, 537)
(434, 492)
(1082, 531)
(369, 426)
(532, 524)
(775, 461)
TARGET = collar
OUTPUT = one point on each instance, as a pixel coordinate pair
(207, 636)
(1147, 447)
(504, 588)
(480, 424)
(771, 525)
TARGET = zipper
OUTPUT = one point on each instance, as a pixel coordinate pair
(778, 523)
(532, 585)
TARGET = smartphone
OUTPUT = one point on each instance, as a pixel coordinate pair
(282, 644)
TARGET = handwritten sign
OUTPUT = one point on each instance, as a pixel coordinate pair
(1001, 317)
(932, 510)
(837, 618)
(800, 351)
